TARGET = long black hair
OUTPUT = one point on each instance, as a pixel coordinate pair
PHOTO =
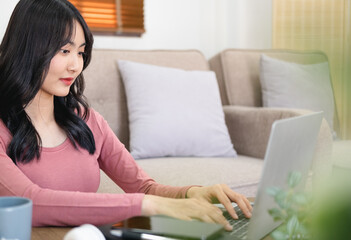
(37, 30)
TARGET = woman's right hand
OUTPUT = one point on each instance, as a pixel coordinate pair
(185, 209)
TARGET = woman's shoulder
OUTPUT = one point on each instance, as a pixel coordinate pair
(5, 134)
(93, 115)
(95, 120)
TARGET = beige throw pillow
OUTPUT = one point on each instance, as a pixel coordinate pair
(173, 112)
(292, 85)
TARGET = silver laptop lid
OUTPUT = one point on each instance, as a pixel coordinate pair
(291, 147)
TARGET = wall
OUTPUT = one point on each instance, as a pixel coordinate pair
(207, 25)
(249, 23)
(6, 7)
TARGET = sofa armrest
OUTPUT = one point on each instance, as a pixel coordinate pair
(249, 129)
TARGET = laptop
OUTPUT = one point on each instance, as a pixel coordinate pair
(291, 147)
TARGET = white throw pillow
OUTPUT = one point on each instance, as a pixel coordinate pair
(292, 85)
(173, 112)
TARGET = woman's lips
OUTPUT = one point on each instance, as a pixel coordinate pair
(67, 81)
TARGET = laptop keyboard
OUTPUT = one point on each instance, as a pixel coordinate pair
(240, 226)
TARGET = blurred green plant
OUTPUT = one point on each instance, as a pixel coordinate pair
(324, 214)
(332, 215)
(293, 207)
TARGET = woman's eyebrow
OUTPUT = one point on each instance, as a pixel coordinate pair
(73, 44)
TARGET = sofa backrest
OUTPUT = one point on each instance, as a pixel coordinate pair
(104, 87)
(238, 71)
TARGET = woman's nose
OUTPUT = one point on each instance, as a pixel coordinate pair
(74, 63)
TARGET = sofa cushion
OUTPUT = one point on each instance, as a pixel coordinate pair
(173, 112)
(104, 87)
(291, 85)
(242, 174)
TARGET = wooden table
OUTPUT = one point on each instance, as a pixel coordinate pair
(49, 233)
(57, 233)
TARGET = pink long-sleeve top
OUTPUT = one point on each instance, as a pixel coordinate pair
(63, 182)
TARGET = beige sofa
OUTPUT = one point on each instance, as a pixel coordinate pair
(248, 123)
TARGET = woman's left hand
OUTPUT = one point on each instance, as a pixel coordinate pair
(221, 193)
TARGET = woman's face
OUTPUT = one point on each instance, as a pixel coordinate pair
(65, 66)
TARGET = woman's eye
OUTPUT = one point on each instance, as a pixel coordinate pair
(82, 54)
(64, 51)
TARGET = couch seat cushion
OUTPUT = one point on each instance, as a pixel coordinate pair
(241, 174)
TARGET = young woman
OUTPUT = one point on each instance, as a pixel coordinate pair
(52, 145)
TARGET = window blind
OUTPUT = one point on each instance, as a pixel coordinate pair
(121, 17)
(319, 25)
